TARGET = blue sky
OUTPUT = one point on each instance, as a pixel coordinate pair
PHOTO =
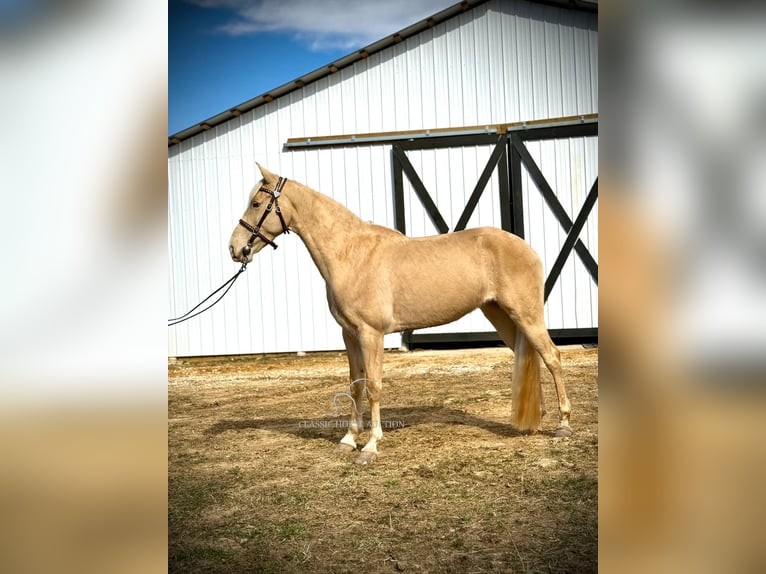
(224, 52)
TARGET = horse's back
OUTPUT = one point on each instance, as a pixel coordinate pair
(440, 278)
(475, 252)
(482, 244)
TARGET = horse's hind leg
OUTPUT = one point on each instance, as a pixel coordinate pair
(357, 386)
(538, 336)
(532, 323)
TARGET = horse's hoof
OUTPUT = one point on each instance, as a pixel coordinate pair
(366, 457)
(563, 431)
(344, 449)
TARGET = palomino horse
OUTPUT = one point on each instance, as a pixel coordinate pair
(379, 281)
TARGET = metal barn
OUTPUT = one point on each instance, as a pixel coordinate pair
(483, 114)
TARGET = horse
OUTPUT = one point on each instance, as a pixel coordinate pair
(380, 281)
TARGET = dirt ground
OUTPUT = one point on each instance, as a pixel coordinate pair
(255, 484)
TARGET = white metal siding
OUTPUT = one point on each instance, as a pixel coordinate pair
(499, 62)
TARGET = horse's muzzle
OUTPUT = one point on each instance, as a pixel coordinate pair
(240, 256)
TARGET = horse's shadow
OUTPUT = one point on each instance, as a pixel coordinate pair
(394, 419)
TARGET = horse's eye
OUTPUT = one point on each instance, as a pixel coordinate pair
(256, 204)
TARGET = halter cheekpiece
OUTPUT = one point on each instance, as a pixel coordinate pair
(273, 204)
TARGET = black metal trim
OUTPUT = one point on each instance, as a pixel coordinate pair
(572, 236)
(439, 142)
(517, 197)
(583, 335)
(574, 336)
(506, 207)
(489, 169)
(553, 203)
(509, 155)
(498, 159)
(420, 190)
(400, 220)
(587, 129)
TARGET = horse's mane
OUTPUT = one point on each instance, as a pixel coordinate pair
(337, 207)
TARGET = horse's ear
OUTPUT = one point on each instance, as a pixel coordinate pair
(268, 177)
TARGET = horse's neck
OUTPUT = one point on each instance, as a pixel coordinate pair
(325, 226)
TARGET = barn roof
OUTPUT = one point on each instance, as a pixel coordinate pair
(350, 59)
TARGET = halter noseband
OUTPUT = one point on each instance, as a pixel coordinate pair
(256, 231)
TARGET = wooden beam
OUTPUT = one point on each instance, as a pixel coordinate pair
(488, 128)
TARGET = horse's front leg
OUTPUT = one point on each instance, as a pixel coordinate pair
(357, 386)
(371, 344)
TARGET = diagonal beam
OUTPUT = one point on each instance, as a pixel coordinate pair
(550, 198)
(572, 236)
(481, 184)
(420, 190)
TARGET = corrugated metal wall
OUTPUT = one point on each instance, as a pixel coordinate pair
(499, 62)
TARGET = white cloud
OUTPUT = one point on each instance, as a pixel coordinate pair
(345, 24)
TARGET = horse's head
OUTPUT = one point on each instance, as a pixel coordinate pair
(263, 220)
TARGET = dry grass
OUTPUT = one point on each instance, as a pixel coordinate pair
(255, 484)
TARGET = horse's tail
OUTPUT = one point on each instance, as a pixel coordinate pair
(527, 399)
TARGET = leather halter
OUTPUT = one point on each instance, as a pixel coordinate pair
(256, 231)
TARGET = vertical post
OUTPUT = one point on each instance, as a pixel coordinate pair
(517, 200)
(399, 219)
(506, 222)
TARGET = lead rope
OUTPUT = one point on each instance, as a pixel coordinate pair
(186, 316)
(256, 232)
